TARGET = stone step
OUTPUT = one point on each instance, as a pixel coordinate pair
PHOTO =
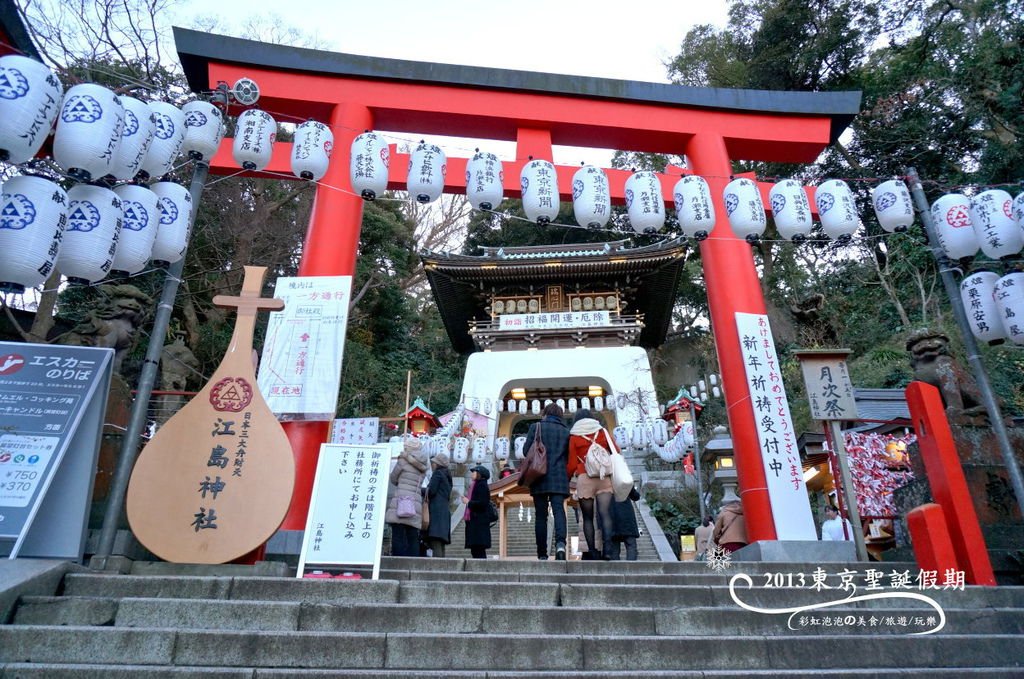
(466, 652)
(462, 619)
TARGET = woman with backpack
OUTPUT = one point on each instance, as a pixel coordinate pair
(478, 513)
(593, 478)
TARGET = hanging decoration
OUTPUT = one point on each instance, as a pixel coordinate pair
(139, 220)
(598, 403)
(168, 136)
(572, 405)
(204, 130)
(837, 210)
(136, 138)
(745, 210)
(874, 476)
(1009, 295)
(520, 444)
(522, 407)
(428, 166)
(91, 235)
(591, 201)
(694, 208)
(485, 180)
(33, 212)
(460, 455)
(500, 405)
(539, 183)
(994, 225)
(30, 95)
(585, 403)
(479, 450)
(791, 210)
(621, 436)
(88, 131)
(253, 145)
(174, 209)
(512, 405)
(368, 165)
(893, 206)
(977, 291)
(501, 447)
(644, 202)
(953, 227)
(311, 150)
(534, 407)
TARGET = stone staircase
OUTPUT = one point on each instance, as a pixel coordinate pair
(486, 618)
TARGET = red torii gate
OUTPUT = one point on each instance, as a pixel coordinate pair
(355, 93)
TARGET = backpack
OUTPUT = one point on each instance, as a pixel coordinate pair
(598, 462)
(492, 514)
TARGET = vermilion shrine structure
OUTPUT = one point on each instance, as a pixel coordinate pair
(712, 127)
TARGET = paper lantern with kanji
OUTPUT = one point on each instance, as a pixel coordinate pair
(539, 183)
(479, 450)
(598, 403)
(33, 212)
(520, 446)
(953, 227)
(638, 436)
(621, 435)
(501, 448)
(253, 144)
(368, 165)
(428, 166)
(88, 131)
(660, 432)
(139, 223)
(136, 138)
(91, 235)
(791, 210)
(1018, 209)
(168, 137)
(311, 150)
(745, 210)
(694, 207)
(978, 294)
(1009, 294)
(837, 209)
(523, 405)
(484, 179)
(893, 206)
(996, 229)
(591, 201)
(30, 95)
(572, 405)
(460, 454)
(174, 210)
(644, 202)
(204, 130)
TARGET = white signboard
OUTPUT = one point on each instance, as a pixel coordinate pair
(301, 366)
(359, 431)
(829, 388)
(545, 321)
(345, 524)
(783, 472)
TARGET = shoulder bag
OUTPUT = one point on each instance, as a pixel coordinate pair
(536, 463)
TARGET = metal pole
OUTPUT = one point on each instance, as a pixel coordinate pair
(147, 378)
(696, 460)
(853, 513)
(988, 397)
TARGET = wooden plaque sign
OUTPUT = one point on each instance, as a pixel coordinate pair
(216, 480)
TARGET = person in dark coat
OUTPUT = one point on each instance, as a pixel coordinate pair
(624, 528)
(478, 504)
(552, 489)
(439, 532)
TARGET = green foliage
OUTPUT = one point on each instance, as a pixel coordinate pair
(677, 512)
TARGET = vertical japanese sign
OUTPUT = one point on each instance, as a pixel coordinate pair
(52, 401)
(360, 431)
(301, 366)
(829, 388)
(784, 475)
(345, 525)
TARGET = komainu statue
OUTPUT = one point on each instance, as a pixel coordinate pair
(933, 364)
(114, 323)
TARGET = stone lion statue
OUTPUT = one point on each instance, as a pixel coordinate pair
(114, 323)
(933, 364)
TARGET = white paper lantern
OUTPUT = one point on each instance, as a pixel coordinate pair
(174, 209)
(744, 207)
(621, 436)
(428, 166)
(444, 443)
(638, 436)
(461, 453)
(978, 294)
(30, 97)
(585, 403)
(520, 447)
(660, 432)
(560, 403)
(479, 450)
(591, 199)
(33, 212)
(501, 448)
(168, 137)
(837, 209)
(136, 138)
(88, 131)
(500, 405)
(368, 165)
(311, 150)
(1009, 296)
(997, 230)
(523, 405)
(535, 407)
(474, 404)
(894, 207)
(539, 183)
(620, 401)
(91, 235)
(572, 405)
(487, 406)
(484, 181)
(253, 144)
(952, 216)
(694, 208)
(204, 130)
(1018, 209)
(791, 210)
(513, 405)
(644, 202)
(140, 221)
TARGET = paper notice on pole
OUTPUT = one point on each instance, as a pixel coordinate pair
(301, 365)
(360, 431)
(774, 424)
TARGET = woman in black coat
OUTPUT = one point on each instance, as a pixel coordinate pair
(477, 517)
(624, 528)
(439, 532)
(552, 489)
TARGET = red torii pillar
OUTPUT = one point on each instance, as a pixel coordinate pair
(711, 126)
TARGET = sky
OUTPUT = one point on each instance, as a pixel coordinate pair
(598, 38)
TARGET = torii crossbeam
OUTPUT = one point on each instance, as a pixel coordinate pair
(712, 127)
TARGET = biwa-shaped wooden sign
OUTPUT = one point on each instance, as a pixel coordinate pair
(216, 480)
